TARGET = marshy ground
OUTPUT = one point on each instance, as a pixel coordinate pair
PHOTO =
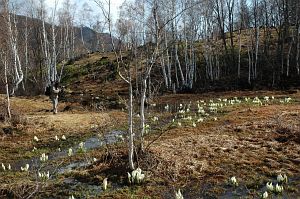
(185, 148)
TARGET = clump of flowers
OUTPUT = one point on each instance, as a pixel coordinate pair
(178, 195)
(147, 128)
(34, 149)
(136, 176)
(233, 181)
(26, 168)
(44, 176)
(155, 119)
(44, 157)
(278, 189)
(81, 148)
(282, 178)
(257, 101)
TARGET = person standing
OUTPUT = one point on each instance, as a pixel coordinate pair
(54, 91)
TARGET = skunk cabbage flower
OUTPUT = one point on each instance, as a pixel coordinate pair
(43, 158)
(34, 149)
(56, 138)
(282, 178)
(266, 98)
(70, 152)
(194, 124)
(35, 138)
(129, 177)
(179, 124)
(200, 120)
(44, 176)
(3, 166)
(167, 107)
(278, 188)
(26, 168)
(270, 186)
(136, 176)
(265, 195)
(233, 181)
(81, 147)
(95, 159)
(9, 167)
(287, 99)
(154, 119)
(63, 137)
(179, 195)
(71, 197)
(104, 185)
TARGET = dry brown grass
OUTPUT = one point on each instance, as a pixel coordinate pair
(243, 143)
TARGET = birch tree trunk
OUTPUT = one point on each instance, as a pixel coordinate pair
(298, 51)
(13, 34)
(6, 88)
(239, 58)
(130, 124)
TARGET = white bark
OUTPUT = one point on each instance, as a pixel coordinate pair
(13, 34)
(7, 89)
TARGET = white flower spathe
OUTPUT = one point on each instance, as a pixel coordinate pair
(282, 178)
(136, 176)
(265, 195)
(63, 137)
(44, 157)
(104, 184)
(3, 166)
(70, 152)
(56, 138)
(154, 119)
(270, 186)
(179, 195)
(200, 120)
(35, 138)
(71, 197)
(278, 188)
(167, 107)
(129, 177)
(26, 168)
(44, 176)
(34, 149)
(233, 181)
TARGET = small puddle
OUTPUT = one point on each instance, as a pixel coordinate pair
(89, 144)
(91, 190)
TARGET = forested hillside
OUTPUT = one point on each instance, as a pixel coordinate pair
(190, 45)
